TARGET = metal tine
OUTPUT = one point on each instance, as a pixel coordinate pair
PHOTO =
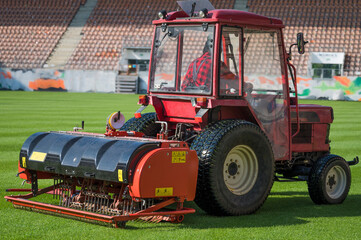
(69, 197)
(65, 195)
(62, 194)
(89, 201)
(98, 204)
(131, 207)
(104, 206)
(127, 207)
(85, 198)
(93, 203)
(104, 201)
(57, 189)
(108, 206)
(59, 195)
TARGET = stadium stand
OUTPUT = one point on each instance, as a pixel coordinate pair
(328, 25)
(114, 24)
(30, 30)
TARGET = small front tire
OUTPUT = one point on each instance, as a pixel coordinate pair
(330, 180)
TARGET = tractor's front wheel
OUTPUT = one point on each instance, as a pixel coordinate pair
(236, 168)
(329, 180)
(146, 124)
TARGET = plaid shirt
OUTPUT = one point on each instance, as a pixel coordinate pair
(199, 73)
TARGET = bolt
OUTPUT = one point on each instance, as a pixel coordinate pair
(234, 177)
(229, 176)
(235, 160)
(238, 165)
(226, 171)
(227, 164)
(237, 172)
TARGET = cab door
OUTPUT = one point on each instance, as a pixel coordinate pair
(266, 88)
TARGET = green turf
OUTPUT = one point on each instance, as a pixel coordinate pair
(287, 214)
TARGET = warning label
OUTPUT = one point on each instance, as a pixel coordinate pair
(38, 156)
(162, 192)
(178, 156)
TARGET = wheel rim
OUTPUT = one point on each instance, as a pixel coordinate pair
(240, 170)
(336, 182)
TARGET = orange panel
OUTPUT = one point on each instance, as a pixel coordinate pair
(166, 172)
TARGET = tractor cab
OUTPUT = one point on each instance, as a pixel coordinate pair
(221, 64)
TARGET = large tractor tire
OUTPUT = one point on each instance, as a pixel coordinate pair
(236, 168)
(146, 124)
(329, 180)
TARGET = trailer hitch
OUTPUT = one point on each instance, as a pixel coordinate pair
(354, 161)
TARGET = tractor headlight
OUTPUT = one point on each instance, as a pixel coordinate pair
(203, 13)
(162, 14)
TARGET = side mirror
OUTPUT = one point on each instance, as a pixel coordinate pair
(301, 43)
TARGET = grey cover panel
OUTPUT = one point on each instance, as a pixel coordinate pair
(83, 155)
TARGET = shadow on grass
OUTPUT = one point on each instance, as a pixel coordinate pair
(280, 209)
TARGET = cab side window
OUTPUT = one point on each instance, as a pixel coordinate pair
(230, 65)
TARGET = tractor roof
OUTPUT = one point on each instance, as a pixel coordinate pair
(223, 16)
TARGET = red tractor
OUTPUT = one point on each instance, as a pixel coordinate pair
(227, 123)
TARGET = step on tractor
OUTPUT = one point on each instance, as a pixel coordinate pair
(227, 124)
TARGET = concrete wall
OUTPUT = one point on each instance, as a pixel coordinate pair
(338, 88)
(57, 80)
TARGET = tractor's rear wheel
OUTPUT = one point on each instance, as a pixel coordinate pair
(146, 124)
(236, 168)
(329, 180)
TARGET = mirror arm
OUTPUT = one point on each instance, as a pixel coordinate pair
(290, 51)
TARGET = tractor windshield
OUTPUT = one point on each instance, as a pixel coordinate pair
(182, 60)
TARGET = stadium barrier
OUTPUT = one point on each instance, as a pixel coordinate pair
(337, 88)
(58, 80)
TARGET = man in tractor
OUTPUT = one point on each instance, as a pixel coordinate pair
(199, 71)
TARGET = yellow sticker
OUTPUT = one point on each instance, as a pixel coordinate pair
(38, 156)
(23, 161)
(178, 156)
(120, 175)
(162, 192)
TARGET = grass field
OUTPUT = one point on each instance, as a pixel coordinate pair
(287, 214)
